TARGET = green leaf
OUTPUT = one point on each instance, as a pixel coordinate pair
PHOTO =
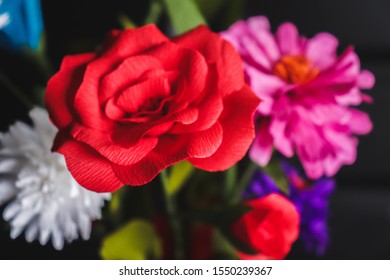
(234, 11)
(154, 13)
(210, 8)
(184, 15)
(275, 171)
(126, 22)
(136, 240)
(115, 201)
(222, 247)
(222, 217)
(178, 175)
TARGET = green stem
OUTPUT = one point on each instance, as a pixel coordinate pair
(154, 12)
(243, 183)
(174, 221)
(40, 59)
(126, 22)
(13, 89)
(230, 180)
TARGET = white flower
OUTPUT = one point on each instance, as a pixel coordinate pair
(45, 201)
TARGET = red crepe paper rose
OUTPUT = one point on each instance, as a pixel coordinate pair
(145, 102)
(271, 227)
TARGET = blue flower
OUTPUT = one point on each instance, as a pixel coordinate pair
(21, 23)
(311, 197)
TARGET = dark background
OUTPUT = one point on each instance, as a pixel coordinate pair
(360, 207)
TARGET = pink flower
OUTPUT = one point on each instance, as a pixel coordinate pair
(307, 92)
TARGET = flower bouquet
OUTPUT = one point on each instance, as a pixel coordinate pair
(178, 141)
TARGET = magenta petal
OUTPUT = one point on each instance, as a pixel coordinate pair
(288, 39)
(321, 50)
(278, 130)
(258, 23)
(366, 80)
(359, 122)
(262, 147)
(263, 84)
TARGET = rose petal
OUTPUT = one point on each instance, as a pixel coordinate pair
(271, 227)
(102, 143)
(86, 100)
(142, 38)
(209, 111)
(131, 99)
(62, 86)
(191, 66)
(281, 225)
(216, 50)
(238, 131)
(127, 73)
(84, 164)
(170, 150)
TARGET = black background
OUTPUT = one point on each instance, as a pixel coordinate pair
(360, 207)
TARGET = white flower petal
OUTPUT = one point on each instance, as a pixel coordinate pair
(22, 219)
(32, 232)
(9, 165)
(7, 190)
(44, 236)
(57, 238)
(11, 210)
(85, 226)
(45, 200)
(15, 232)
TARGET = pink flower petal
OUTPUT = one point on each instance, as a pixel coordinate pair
(321, 50)
(359, 122)
(366, 80)
(288, 39)
(278, 130)
(258, 23)
(262, 147)
(263, 84)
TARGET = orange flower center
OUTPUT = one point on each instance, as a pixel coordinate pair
(295, 69)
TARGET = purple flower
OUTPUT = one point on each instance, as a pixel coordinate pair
(311, 197)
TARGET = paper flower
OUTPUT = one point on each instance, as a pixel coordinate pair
(307, 91)
(44, 199)
(311, 199)
(145, 102)
(271, 227)
(21, 23)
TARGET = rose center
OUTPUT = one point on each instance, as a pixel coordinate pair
(295, 69)
(151, 104)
